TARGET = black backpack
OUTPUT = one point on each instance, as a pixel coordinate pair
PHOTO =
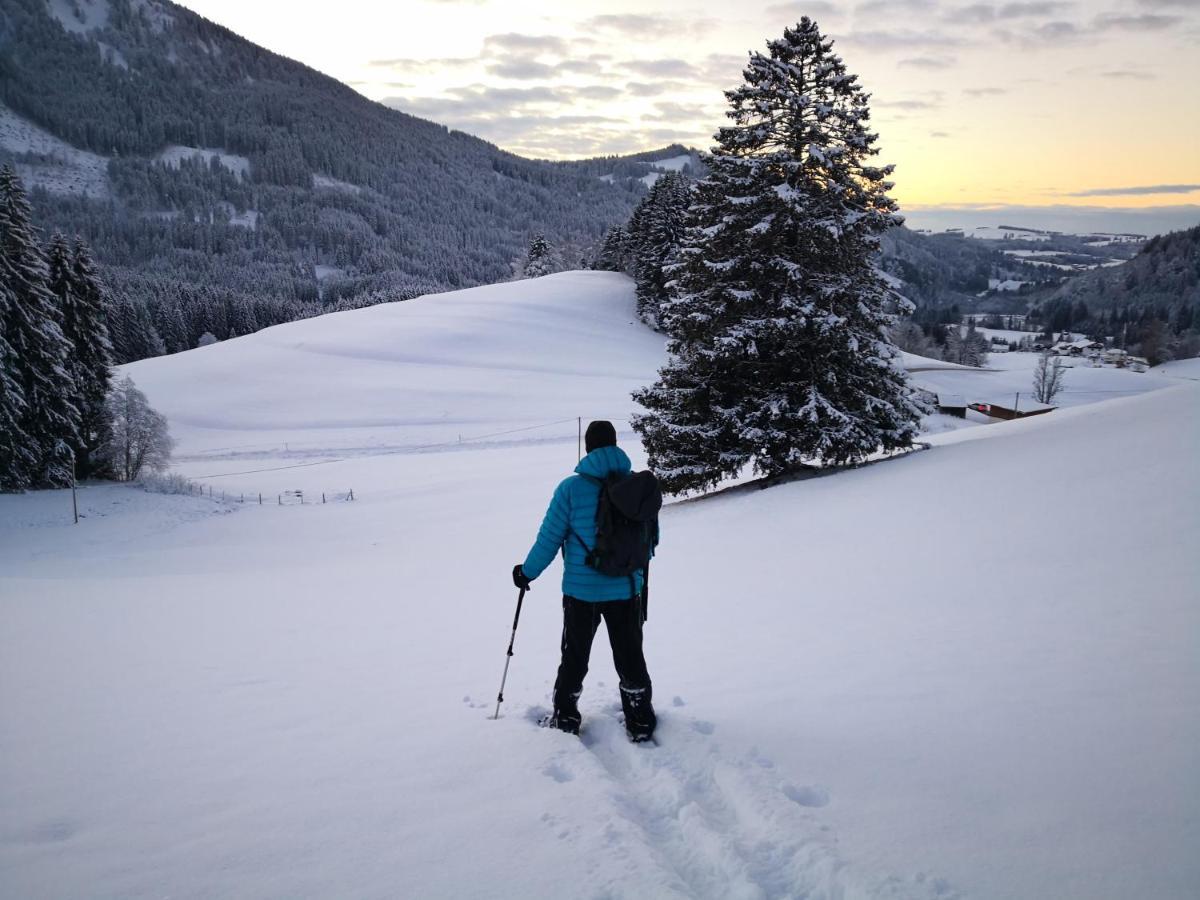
(626, 524)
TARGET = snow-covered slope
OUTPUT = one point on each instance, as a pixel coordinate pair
(968, 672)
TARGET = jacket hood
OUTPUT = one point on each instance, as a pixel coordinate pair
(603, 461)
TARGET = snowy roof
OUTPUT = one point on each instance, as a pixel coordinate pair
(952, 400)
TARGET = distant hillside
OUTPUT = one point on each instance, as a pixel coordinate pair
(1165, 276)
(194, 160)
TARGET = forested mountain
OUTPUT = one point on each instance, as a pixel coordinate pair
(208, 172)
(1164, 275)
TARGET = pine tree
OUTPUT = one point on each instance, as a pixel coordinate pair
(613, 256)
(654, 236)
(539, 259)
(34, 333)
(86, 328)
(780, 355)
(16, 457)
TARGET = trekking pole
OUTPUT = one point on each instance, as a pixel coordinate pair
(508, 659)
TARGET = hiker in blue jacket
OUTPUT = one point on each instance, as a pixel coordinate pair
(588, 595)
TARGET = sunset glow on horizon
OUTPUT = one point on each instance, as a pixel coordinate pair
(1037, 103)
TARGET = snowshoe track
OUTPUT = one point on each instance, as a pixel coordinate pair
(713, 826)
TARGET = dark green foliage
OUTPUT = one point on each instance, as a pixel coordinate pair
(780, 356)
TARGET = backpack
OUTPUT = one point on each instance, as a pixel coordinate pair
(626, 524)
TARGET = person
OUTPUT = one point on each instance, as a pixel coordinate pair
(569, 526)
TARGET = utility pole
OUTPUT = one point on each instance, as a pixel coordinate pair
(1017, 403)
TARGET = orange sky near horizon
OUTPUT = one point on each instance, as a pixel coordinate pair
(1037, 102)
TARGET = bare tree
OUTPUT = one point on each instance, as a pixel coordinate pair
(1048, 378)
(140, 440)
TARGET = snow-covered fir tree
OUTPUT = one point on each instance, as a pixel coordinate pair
(33, 331)
(970, 349)
(779, 351)
(654, 235)
(539, 259)
(613, 255)
(16, 457)
(85, 326)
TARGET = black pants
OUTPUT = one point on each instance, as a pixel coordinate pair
(624, 621)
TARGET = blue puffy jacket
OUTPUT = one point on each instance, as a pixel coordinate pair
(573, 509)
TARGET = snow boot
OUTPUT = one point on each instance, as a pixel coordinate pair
(563, 720)
(640, 720)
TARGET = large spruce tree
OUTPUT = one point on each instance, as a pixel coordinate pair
(84, 306)
(33, 330)
(780, 356)
(16, 458)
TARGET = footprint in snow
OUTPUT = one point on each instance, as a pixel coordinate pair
(807, 794)
(677, 701)
(703, 727)
(558, 773)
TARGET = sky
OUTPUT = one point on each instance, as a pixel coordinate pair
(1032, 103)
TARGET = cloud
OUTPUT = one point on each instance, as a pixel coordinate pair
(650, 25)
(666, 68)
(1137, 191)
(902, 39)
(420, 65)
(673, 112)
(654, 88)
(986, 13)
(1164, 4)
(878, 6)
(1128, 74)
(939, 134)
(985, 91)
(595, 92)
(794, 11)
(909, 105)
(522, 70)
(580, 67)
(928, 63)
(536, 44)
(1140, 23)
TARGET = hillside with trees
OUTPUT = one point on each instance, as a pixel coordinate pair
(224, 188)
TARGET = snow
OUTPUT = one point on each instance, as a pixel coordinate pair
(324, 181)
(80, 16)
(1008, 374)
(206, 698)
(648, 180)
(322, 272)
(1179, 368)
(68, 170)
(246, 219)
(1008, 284)
(174, 154)
(672, 163)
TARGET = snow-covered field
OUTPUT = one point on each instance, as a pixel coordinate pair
(1008, 375)
(923, 678)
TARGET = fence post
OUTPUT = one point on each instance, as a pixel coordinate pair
(281, 499)
(322, 496)
(351, 493)
(260, 498)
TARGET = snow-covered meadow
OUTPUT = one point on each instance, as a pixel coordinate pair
(923, 678)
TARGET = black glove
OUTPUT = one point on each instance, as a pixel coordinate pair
(519, 578)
